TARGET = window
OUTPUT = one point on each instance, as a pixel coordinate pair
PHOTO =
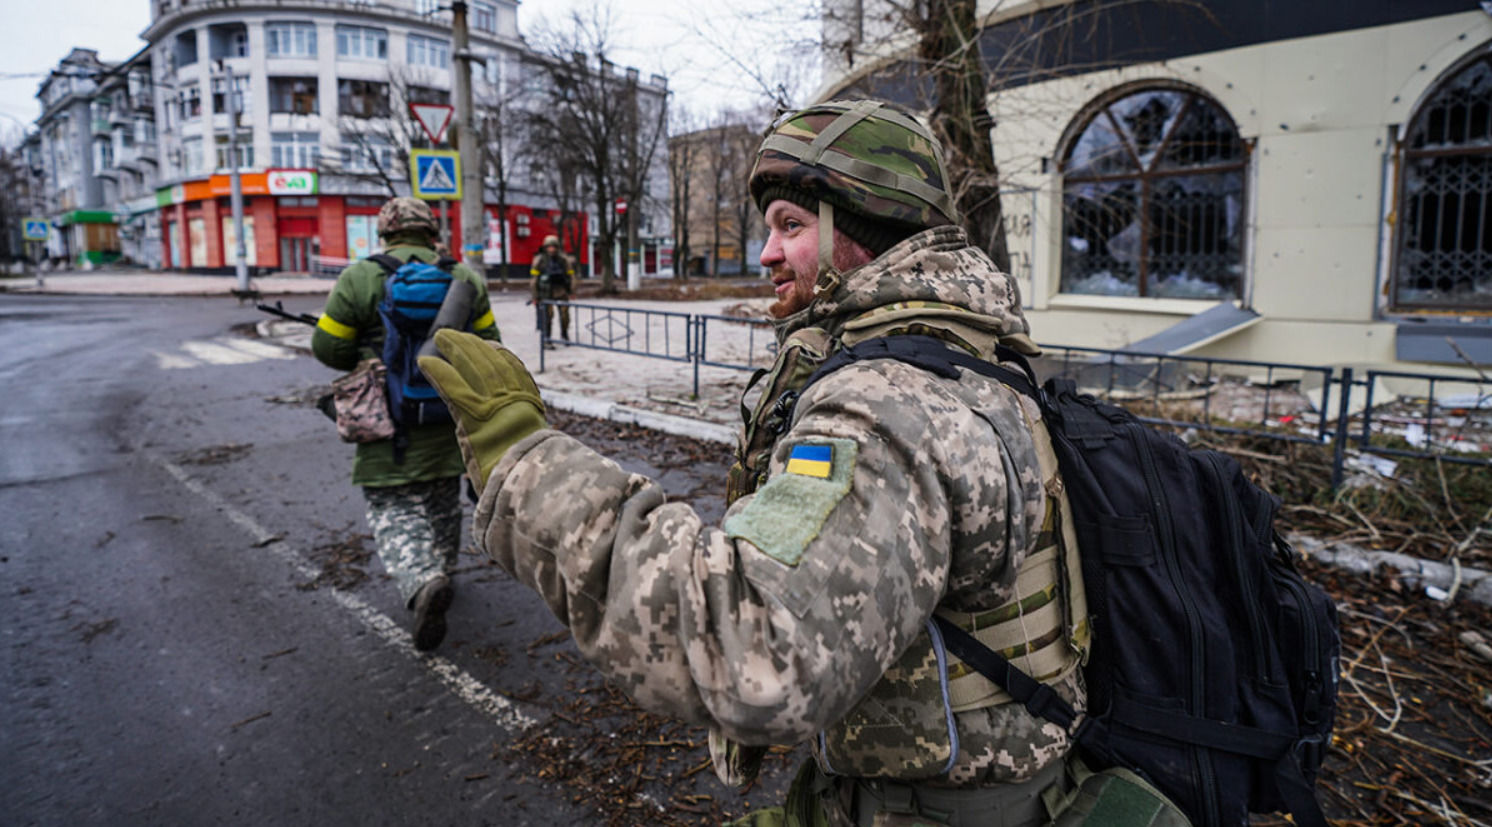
(363, 98)
(290, 39)
(1152, 198)
(192, 153)
(245, 150)
(362, 42)
(1444, 258)
(427, 51)
(426, 94)
(184, 50)
(484, 16)
(191, 103)
(295, 149)
(238, 43)
(103, 155)
(427, 6)
(144, 131)
(241, 97)
(295, 96)
(367, 153)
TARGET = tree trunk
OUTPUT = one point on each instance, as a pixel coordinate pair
(961, 121)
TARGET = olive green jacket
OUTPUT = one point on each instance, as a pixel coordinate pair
(349, 331)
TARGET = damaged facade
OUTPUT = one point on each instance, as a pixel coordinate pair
(1307, 184)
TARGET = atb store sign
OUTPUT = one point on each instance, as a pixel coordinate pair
(291, 181)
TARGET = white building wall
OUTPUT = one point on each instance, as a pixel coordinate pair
(1322, 114)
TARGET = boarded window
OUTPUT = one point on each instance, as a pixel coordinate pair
(1444, 256)
(1153, 198)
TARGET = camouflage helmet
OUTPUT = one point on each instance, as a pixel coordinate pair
(864, 157)
(550, 241)
(406, 215)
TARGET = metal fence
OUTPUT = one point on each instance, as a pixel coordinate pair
(1279, 401)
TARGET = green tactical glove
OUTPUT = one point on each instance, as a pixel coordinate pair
(491, 395)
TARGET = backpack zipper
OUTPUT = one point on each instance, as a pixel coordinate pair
(1160, 509)
(1241, 568)
(1311, 640)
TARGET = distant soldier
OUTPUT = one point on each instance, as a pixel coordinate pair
(552, 274)
(413, 489)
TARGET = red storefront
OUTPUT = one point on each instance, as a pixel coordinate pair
(291, 227)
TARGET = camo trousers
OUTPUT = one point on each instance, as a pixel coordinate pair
(417, 527)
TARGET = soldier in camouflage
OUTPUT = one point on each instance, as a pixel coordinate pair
(882, 495)
(551, 275)
(414, 499)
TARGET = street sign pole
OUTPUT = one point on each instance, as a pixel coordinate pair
(473, 223)
(235, 185)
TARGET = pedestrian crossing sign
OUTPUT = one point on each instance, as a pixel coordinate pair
(34, 229)
(435, 173)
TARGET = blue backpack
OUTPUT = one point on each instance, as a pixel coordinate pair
(412, 296)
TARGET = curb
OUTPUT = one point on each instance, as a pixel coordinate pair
(616, 412)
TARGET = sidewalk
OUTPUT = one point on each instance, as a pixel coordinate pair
(156, 283)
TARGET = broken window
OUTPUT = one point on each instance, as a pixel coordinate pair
(1445, 242)
(1153, 199)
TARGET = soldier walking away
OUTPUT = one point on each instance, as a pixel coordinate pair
(552, 275)
(412, 489)
(881, 494)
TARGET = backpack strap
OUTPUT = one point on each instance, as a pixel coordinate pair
(935, 356)
(387, 262)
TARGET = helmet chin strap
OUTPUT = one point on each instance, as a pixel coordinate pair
(828, 277)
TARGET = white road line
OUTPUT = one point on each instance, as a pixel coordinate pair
(504, 712)
(263, 350)
(173, 361)
(217, 354)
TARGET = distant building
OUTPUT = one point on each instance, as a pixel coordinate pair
(84, 232)
(1322, 168)
(709, 168)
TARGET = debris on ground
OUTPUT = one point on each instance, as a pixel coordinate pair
(215, 454)
(342, 561)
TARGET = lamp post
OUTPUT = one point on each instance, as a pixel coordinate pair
(235, 183)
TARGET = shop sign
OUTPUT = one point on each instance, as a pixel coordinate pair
(292, 181)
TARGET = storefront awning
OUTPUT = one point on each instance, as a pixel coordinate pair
(1216, 322)
(86, 217)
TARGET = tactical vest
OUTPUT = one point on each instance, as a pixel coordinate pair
(906, 727)
(554, 275)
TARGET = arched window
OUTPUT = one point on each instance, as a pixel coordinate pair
(1444, 256)
(1153, 188)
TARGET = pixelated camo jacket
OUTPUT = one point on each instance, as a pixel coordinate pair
(773, 625)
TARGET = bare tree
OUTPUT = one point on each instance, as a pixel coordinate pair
(376, 129)
(683, 160)
(500, 125)
(595, 121)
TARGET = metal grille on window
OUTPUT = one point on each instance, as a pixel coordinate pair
(1444, 257)
(1152, 204)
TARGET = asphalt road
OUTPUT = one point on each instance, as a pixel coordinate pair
(194, 630)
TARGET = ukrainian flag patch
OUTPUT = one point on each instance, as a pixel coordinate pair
(811, 461)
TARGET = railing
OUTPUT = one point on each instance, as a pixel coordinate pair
(1279, 401)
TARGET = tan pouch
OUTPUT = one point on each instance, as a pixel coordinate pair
(361, 399)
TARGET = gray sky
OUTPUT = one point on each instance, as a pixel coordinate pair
(662, 36)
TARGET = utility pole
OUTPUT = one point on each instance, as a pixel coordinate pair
(473, 222)
(235, 183)
(634, 262)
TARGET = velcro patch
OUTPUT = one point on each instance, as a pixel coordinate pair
(789, 511)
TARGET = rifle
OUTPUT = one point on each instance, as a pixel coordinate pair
(278, 309)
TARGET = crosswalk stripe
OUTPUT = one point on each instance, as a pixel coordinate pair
(261, 349)
(216, 354)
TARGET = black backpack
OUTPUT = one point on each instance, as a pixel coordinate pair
(1214, 664)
